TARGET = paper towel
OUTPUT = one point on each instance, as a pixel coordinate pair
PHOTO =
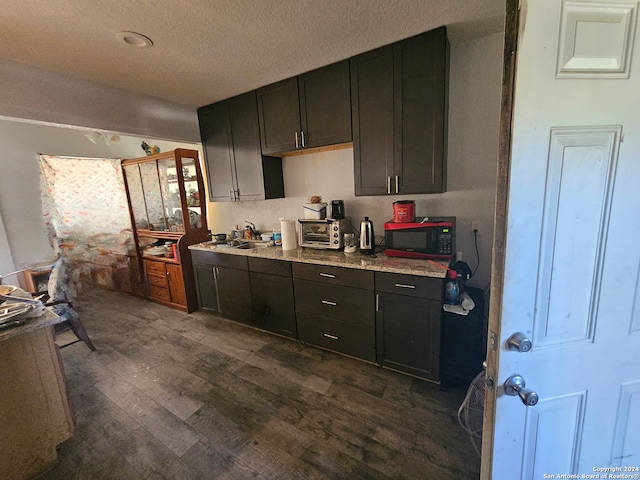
(289, 238)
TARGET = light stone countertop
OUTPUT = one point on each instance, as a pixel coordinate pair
(378, 262)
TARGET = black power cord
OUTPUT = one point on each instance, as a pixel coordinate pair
(475, 240)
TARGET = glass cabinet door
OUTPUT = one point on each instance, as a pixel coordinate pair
(170, 187)
(166, 193)
(136, 196)
(192, 192)
(153, 196)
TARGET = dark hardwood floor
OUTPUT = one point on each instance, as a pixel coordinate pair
(169, 395)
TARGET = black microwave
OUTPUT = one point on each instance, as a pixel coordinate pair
(433, 238)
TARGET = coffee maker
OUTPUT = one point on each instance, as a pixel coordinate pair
(337, 209)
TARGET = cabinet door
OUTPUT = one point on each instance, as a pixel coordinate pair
(176, 284)
(206, 286)
(372, 117)
(245, 137)
(234, 293)
(216, 141)
(408, 334)
(273, 306)
(325, 108)
(419, 104)
(279, 114)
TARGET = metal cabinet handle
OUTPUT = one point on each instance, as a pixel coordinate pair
(402, 285)
(377, 302)
(396, 183)
(332, 337)
(515, 386)
(297, 146)
(328, 275)
(327, 302)
(302, 135)
(388, 184)
(215, 283)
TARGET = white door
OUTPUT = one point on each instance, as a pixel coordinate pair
(570, 281)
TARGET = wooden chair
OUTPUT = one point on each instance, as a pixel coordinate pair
(64, 309)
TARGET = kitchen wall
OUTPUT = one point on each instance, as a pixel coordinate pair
(20, 206)
(474, 112)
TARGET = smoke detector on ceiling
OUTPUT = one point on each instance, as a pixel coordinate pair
(134, 39)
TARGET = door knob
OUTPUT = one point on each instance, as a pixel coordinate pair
(515, 386)
(519, 342)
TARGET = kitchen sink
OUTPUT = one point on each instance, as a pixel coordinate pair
(257, 244)
(241, 244)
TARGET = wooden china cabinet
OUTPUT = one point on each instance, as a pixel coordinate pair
(168, 206)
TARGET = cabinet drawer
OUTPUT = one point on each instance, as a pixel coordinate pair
(157, 280)
(272, 267)
(350, 277)
(410, 285)
(159, 293)
(352, 305)
(154, 267)
(219, 259)
(355, 340)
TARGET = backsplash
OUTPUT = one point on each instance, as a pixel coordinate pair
(330, 175)
(327, 174)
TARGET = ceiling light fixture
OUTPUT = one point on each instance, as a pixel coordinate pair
(134, 39)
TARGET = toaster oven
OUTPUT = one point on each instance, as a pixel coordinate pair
(326, 233)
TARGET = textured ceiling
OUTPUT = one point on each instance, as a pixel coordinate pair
(208, 50)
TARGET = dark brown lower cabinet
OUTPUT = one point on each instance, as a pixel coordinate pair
(234, 294)
(335, 316)
(206, 286)
(272, 299)
(223, 284)
(386, 318)
(408, 324)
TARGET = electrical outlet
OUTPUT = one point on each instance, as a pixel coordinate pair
(475, 228)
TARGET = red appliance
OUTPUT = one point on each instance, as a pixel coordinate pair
(433, 238)
(404, 211)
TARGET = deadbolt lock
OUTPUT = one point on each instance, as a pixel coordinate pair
(518, 342)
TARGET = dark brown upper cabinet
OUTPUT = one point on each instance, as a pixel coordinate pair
(399, 106)
(308, 111)
(236, 168)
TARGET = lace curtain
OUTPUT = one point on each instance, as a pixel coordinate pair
(85, 211)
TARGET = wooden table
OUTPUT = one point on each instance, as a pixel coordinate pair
(36, 415)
